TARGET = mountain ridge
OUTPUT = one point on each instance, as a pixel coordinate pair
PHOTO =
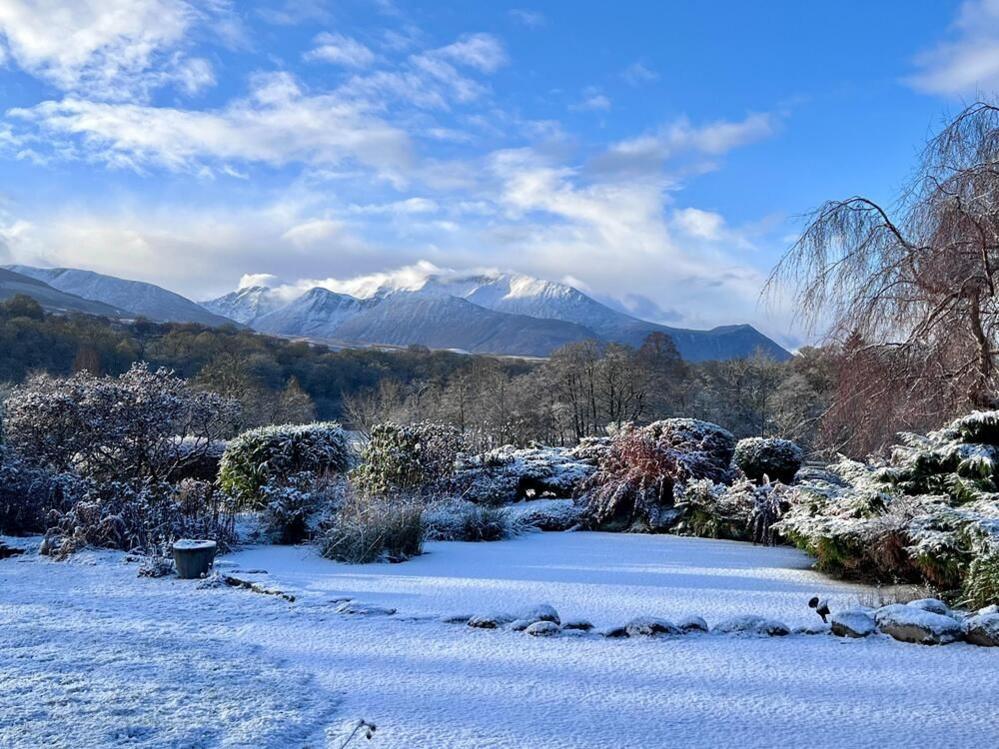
(384, 314)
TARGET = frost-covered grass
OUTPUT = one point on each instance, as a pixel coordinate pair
(88, 649)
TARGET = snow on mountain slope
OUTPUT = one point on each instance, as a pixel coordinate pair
(13, 284)
(317, 314)
(526, 316)
(136, 297)
(404, 318)
(246, 305)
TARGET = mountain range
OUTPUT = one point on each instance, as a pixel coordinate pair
(498, 313)
(495, 313)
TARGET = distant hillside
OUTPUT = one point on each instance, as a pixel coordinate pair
(51, 299)
(138, 298)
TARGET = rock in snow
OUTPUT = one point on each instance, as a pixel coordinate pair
(363, 609)
(933, 605)
(581, 625)
(853, 623)
(911, 624)
(983, 630)
(490, 621)
(692, 624)
(541, 613)
(751, 625)
(650, 626)
(543, 628)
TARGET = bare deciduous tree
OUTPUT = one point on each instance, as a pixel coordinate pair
(916, 282)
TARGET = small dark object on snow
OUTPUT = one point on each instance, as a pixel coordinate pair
(9, 551)
(193, 559)
(821, 606)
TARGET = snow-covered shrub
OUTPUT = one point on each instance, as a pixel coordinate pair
(289, 505)
(272, 455)
(981, 586)
(768, 457)
(29, 493)
(508, 474)
(544, 514)
(635, 482)
(929, 515)
(744, 511)
(460, 520)
(197, 461)
(140, 426)
(408, 458)
(366, 529)
(144, 517)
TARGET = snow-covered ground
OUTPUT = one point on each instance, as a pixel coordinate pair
(91, 655)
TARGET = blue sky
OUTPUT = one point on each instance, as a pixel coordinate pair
(656, 153)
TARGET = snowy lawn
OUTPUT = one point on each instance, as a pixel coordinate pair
(91, 655)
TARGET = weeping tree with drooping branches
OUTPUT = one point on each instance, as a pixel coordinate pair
(910, 290)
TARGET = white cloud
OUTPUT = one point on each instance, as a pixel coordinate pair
(646, 153)
(276, 125)
(251, 280)
(407, 207)
(483, 52)
(639, 73)
(340, 50)
(312, 232)
(532, 19)
(109, 49)
(969, 61)
(593, 101)
(698, 223)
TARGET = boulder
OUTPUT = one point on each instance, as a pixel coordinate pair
(581, 625)
(519, 625)
(650, 626)
(912, 624)
(543, 628)
(355, 608)
(692, 624)
(983, 630)
(751, 625)
(490, 621)
(933, 605)
(615, 633)
(853, 623)
(540, 613)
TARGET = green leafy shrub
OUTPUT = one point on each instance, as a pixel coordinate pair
(272, 455)
(415, 458)
(981, 586)
(768, 457)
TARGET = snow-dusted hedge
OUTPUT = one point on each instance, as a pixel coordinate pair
(509, 474)
(408, 458)
(140, 426)
(634, 487)
(768, 457)
(460, 520)
(144, 517)
(28, 494)
(272, 455)
(930, 514)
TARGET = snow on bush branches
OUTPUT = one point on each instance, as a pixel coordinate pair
(634, 486)
(768, 458)
(930, 513)
(273, 455)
